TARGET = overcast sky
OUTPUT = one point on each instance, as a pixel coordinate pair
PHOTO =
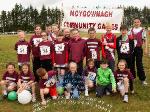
(9, 4)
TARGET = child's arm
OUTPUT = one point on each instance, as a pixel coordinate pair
(113, 81)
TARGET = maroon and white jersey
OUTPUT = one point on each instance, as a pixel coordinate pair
(92, 49)
(60, 53)
(10, 77)
(25, 78)
(45, 50)
(34, 41)
(23, 49)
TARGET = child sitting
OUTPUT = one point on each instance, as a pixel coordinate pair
(73, 82)
(105, 80)
(9, 79)
(47, 84)
(90, 75)
(26, 81)
(123, 75)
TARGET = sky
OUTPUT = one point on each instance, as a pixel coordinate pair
(7, 5)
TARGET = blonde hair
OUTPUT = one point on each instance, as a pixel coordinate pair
(72, 64)
(108, 24)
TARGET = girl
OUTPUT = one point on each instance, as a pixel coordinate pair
(9, 79)
(45, 51)
(123, 75)
(73, 82)
(26, 81)
(90, 75)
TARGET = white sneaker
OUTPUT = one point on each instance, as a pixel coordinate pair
(33, 99)
(67, 97)
(125, 99)
(107, 93)
(86, 93)
(144, 83)
(132, 92)
(54, 97)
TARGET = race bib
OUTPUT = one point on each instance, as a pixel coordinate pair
(94, 54)
(91, 76)
(22, 49)
(36, 41)
(125, 48)
(59, 47)
(45, 50)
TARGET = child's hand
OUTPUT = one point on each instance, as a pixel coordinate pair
(114, 90)
(43, 102)
(54, 64)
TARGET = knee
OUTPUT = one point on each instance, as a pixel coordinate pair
(46, 91)
(2, 83)
(90, 84)
(126, 80)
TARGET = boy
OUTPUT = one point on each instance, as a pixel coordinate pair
(34, 41)
(45, 49)
(73, 82)
(47, 84)
(105, 80)
(109, 46)
(139, 37)
(77, 49)
(93, 47)
(23, 49)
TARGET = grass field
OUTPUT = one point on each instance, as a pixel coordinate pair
(139, 102)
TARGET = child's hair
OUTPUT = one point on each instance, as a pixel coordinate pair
(104, 61)
(25, 64)
(90, 60)
(55, 25)
(10, 63)
(37, 25)
(91, 29)
(60, 33)
(41, 72)
(123, 27)
(123, 61)
(108, 24)
(74, 29)
(18, 31)
(48, 25)
(73, 63)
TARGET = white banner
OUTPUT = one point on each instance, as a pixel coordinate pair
(83, 19)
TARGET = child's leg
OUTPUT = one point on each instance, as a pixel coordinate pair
(42, 93)
(33, 92)
(67, 94)
(68, 90)
(100, 90)
(86, 87)
(75, 93)
(53, 92)
(126, 84)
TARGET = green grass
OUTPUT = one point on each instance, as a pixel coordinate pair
(139, 102)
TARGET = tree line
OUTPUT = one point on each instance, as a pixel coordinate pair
(25, 18)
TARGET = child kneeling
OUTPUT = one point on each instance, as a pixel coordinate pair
(47, 84)
(26, 80)
(73, 82)
(105, 80)
(123, 75)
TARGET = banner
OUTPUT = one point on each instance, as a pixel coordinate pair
(83, 19)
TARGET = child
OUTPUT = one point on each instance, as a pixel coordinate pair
(77, 49)
(139, 37)
(105, 80)
(34, 41)
(26, 80)
(123, 75)
(73, 82)
(125, 47)
(60, 52)
(90, 75)
(45, 49)
(66, 33)
(9, 79)
(23, 49)
(47, 84)
(109, 46)
(93, 47)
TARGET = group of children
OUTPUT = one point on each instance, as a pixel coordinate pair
(58, 56)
